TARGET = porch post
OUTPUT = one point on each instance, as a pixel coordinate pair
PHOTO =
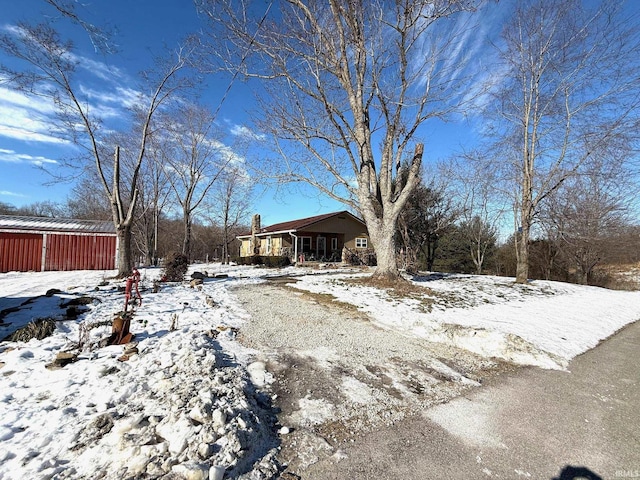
(295, 247)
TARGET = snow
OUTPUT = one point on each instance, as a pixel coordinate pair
(183, 403)
(542, 323)
(188, 401)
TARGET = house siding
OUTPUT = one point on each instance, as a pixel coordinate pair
(340, 230)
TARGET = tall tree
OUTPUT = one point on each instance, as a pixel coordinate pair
(193, 160)
(49, 67)
(482, 206)
(340, 78)
(588, 212)
(571, 90)
(155, 192)
(429, 213)
(230, 209)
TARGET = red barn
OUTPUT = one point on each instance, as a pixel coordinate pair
(39, 244)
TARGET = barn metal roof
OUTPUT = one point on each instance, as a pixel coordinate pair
(45, 224)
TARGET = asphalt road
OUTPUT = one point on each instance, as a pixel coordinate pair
(538, 424)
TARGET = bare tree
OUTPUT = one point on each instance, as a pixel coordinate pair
(571, 91)
(340, 78)
(7, 209)
(99, 36)
(155, 191)
(86, 202)
(193, 160)
(428, 214)
(588, 211)
(49, 68)
(480, 237)
(482, 204)
(231, 205)
(43, 209)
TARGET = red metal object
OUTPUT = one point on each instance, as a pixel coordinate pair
(20, 252)
(132, 281)
(120, 333)
(80, 252)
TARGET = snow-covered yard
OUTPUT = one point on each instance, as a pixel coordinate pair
(188, 400)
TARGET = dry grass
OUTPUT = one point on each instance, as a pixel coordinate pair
(617, 277)
(39, 329)
(399, 289)
(321, 298)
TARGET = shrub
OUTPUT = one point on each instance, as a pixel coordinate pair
(175, 267)
(39, 329)
(267, 261)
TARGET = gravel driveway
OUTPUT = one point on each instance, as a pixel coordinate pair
(337, 376)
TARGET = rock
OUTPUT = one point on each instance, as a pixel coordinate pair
(177, 434)
(221, 275)
(210, 301)
(216, 472)
(51, 292)
(201, 413)
(219, 419)
(198, 275)
(284, 431)
(205, 450)
(61, 360)
(192, 471)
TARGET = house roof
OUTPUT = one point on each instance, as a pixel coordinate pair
(300, 224)
(45, 224)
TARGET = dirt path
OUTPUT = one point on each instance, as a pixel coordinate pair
(531, 424)
(337, 377)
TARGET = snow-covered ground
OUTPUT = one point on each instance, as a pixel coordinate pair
(186, 402)
(183, 403)
(542, 323)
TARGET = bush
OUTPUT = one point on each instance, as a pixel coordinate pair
(175, 267)
(39, 328)
(267, 261)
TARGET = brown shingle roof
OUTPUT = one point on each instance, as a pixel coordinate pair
(301, 224)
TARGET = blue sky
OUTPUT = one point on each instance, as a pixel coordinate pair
(142, 29)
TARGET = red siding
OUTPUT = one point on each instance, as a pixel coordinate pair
(20, 252)
(80, 252)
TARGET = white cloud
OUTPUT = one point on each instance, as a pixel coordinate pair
(6, 193)
(227, 155)
(247, 133)
(121, 97)
(99, 69)
(27, 118)
(11, 156)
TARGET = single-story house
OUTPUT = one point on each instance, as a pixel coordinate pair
(323, 237)
(51, 244)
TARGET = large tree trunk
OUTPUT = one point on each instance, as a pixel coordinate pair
(383, 240)
(522, 252)
(186, 243)
(125, 258)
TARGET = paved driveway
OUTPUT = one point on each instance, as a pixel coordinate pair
(537, 424)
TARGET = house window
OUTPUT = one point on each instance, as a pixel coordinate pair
(334, 244)
(268, 245)
(304, 245)
(361, 242)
